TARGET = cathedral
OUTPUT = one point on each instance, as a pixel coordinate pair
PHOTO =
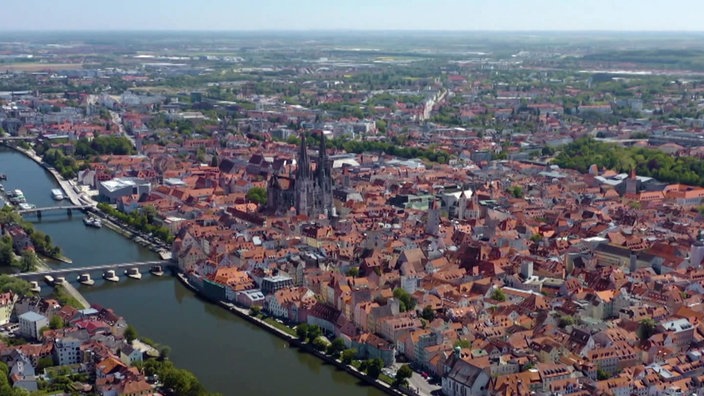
(308, 191)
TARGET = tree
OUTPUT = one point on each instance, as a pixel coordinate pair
(302, 331)
(255, 310)
(353, 272)
(402, 375)
(407, 302)
(29, 261)
(56, 322)
(516, 191)
(646, 328)
(320, 344)
(130, 333)
(7, 256)
(601, 374)
(348, 355)
(373, 367)
(44, 362)
(257, 194)
(164, 352)
(566, 320)
(337, 346)
(15, 285)
(314, 332)
(462, 343)
(428, 313)
(498, 295)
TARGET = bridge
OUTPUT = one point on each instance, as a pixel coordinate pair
(16, 138)
(67, 208)
(93, 270)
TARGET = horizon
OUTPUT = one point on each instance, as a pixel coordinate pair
(359, 15)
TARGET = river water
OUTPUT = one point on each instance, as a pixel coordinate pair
(226, 353)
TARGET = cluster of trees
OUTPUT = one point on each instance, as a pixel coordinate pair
(396, 147)
(143, 220)
(41, 241)
(584, 152)
(68, 166)
(179, 381)
(309, 333)
(407, 302)
(10, 283)
(106, 144)
(257, 194)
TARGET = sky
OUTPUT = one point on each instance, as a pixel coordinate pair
(483, 15)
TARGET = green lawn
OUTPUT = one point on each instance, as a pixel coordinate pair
(280, 326)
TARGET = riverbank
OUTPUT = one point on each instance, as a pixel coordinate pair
(81, 198)
(67, 286)
(293, 341)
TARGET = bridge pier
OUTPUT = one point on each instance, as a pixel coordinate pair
(69, 212)
(39, 214)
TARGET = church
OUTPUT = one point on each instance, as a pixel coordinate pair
(309, 190)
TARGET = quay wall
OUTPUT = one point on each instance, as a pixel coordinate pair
(293, 341)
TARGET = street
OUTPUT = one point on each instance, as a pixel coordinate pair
(419, 384)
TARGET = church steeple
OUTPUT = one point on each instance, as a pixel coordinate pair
(303, 168)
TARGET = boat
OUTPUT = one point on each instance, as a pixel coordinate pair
(60, 280)
(85, 279)
(57, 194)
(49, 279)
(16, 197)
(34, 286)
(133, 273)
(92, 221)
(2, 188)
(157, 270)
(109, 275)
(26, 206)
(3, 176)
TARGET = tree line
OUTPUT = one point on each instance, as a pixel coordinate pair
(584, 152)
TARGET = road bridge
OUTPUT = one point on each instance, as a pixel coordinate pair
(67, 208)
(72, 273)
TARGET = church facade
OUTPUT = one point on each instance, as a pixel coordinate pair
(309, 190)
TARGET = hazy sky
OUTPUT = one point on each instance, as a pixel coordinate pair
(676, 15)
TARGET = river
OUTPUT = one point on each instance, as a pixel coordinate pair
(226, 353)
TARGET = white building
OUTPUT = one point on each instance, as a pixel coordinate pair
(113, 190)
(67, 351)
(31, 323)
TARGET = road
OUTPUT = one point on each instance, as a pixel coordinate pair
(117, 120)
(419, 384)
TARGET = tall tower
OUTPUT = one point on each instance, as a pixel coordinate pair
(432, 223)
(303, 183)
(461, 205)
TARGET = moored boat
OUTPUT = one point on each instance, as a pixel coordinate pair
(60, 280)
(49, 279)
(92, 221)
(57, 194)
(34, 286)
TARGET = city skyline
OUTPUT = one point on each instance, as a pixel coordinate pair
(442, 15)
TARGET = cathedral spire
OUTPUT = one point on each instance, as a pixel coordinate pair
(303, 168)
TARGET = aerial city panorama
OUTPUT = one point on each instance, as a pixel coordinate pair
(458, 198)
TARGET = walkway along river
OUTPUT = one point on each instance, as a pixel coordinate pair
(227, 354)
